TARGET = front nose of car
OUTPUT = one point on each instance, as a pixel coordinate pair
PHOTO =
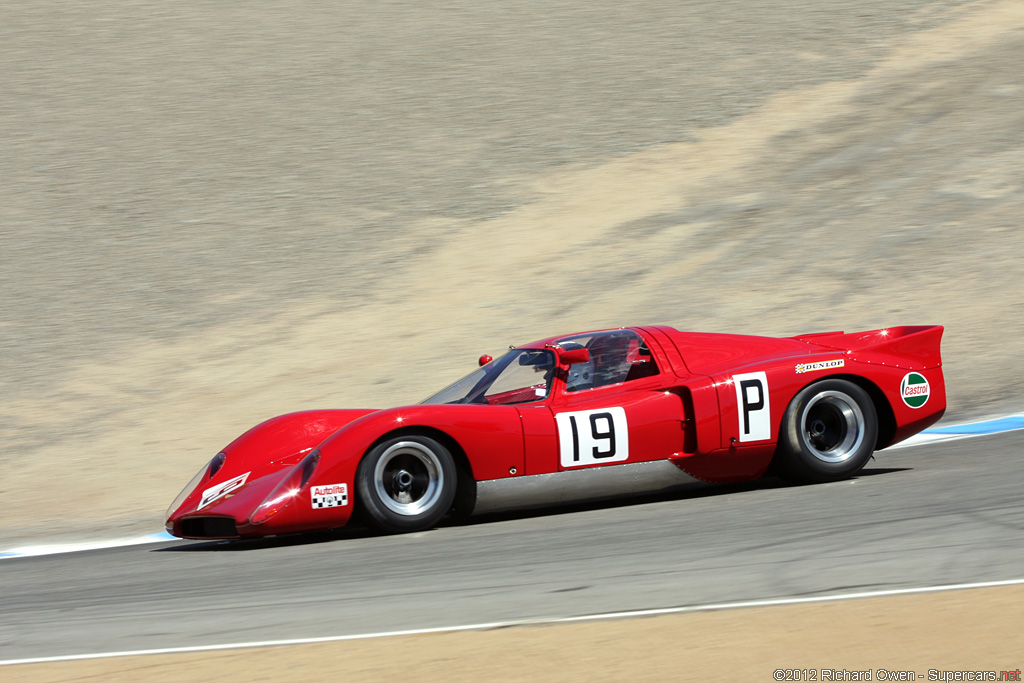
(225, 516)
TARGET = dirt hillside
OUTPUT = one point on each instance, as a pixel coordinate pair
(211, 214)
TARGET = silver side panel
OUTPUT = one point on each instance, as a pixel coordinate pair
(574, 486)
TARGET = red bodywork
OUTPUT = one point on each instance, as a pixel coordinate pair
(689, 414)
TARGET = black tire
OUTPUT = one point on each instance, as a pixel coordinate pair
(828, 432)
(406, 483)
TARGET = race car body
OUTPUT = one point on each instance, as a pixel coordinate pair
(580, 417)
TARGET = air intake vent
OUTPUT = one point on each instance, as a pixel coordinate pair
(209, 527)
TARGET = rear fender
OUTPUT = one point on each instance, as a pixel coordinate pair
(907, 347)
(908, 417)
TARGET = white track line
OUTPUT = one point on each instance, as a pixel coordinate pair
(522, 622)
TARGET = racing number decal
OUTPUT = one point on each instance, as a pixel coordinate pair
(222, 489)
(592, 437)
(753, 406)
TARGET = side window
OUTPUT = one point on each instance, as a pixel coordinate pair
(615, 357)
(641, 363)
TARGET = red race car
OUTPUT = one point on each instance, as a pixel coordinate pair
(581, 417)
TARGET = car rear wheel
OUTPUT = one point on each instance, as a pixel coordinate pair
(406, 483)
(828, 432)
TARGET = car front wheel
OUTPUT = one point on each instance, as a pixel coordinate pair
(406, 483)
(828, 432)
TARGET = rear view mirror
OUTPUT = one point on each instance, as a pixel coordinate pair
(574, 356)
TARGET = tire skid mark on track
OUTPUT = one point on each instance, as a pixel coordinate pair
(995, 425)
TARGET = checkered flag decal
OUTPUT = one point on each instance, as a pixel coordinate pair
(330, 501)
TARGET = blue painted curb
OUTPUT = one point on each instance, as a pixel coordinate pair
(1003, 424)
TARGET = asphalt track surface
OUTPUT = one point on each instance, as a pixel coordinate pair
(936, 514)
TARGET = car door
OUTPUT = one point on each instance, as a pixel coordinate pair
(618, 424)
(612, 410)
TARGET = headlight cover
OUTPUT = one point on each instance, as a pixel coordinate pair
(211, 468)
(285, 492)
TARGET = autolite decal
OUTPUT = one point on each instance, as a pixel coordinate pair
(329, 496)
(222, 489)
(821, 365)
(915, 390)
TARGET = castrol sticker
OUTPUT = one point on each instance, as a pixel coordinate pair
(915, 390)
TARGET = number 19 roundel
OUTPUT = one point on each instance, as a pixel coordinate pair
(592, 437)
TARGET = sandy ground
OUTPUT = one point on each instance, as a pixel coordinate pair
(890, 196)
(211, 215)
(970, 630)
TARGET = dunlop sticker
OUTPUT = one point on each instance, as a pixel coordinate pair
(821, 365)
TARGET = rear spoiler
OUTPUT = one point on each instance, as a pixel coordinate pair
(918, 344)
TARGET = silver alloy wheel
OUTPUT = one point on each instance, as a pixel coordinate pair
(408, 478)
(832, 426)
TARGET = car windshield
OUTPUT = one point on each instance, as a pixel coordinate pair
(520, 376)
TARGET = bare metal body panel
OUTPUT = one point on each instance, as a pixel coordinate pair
(575, 486)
